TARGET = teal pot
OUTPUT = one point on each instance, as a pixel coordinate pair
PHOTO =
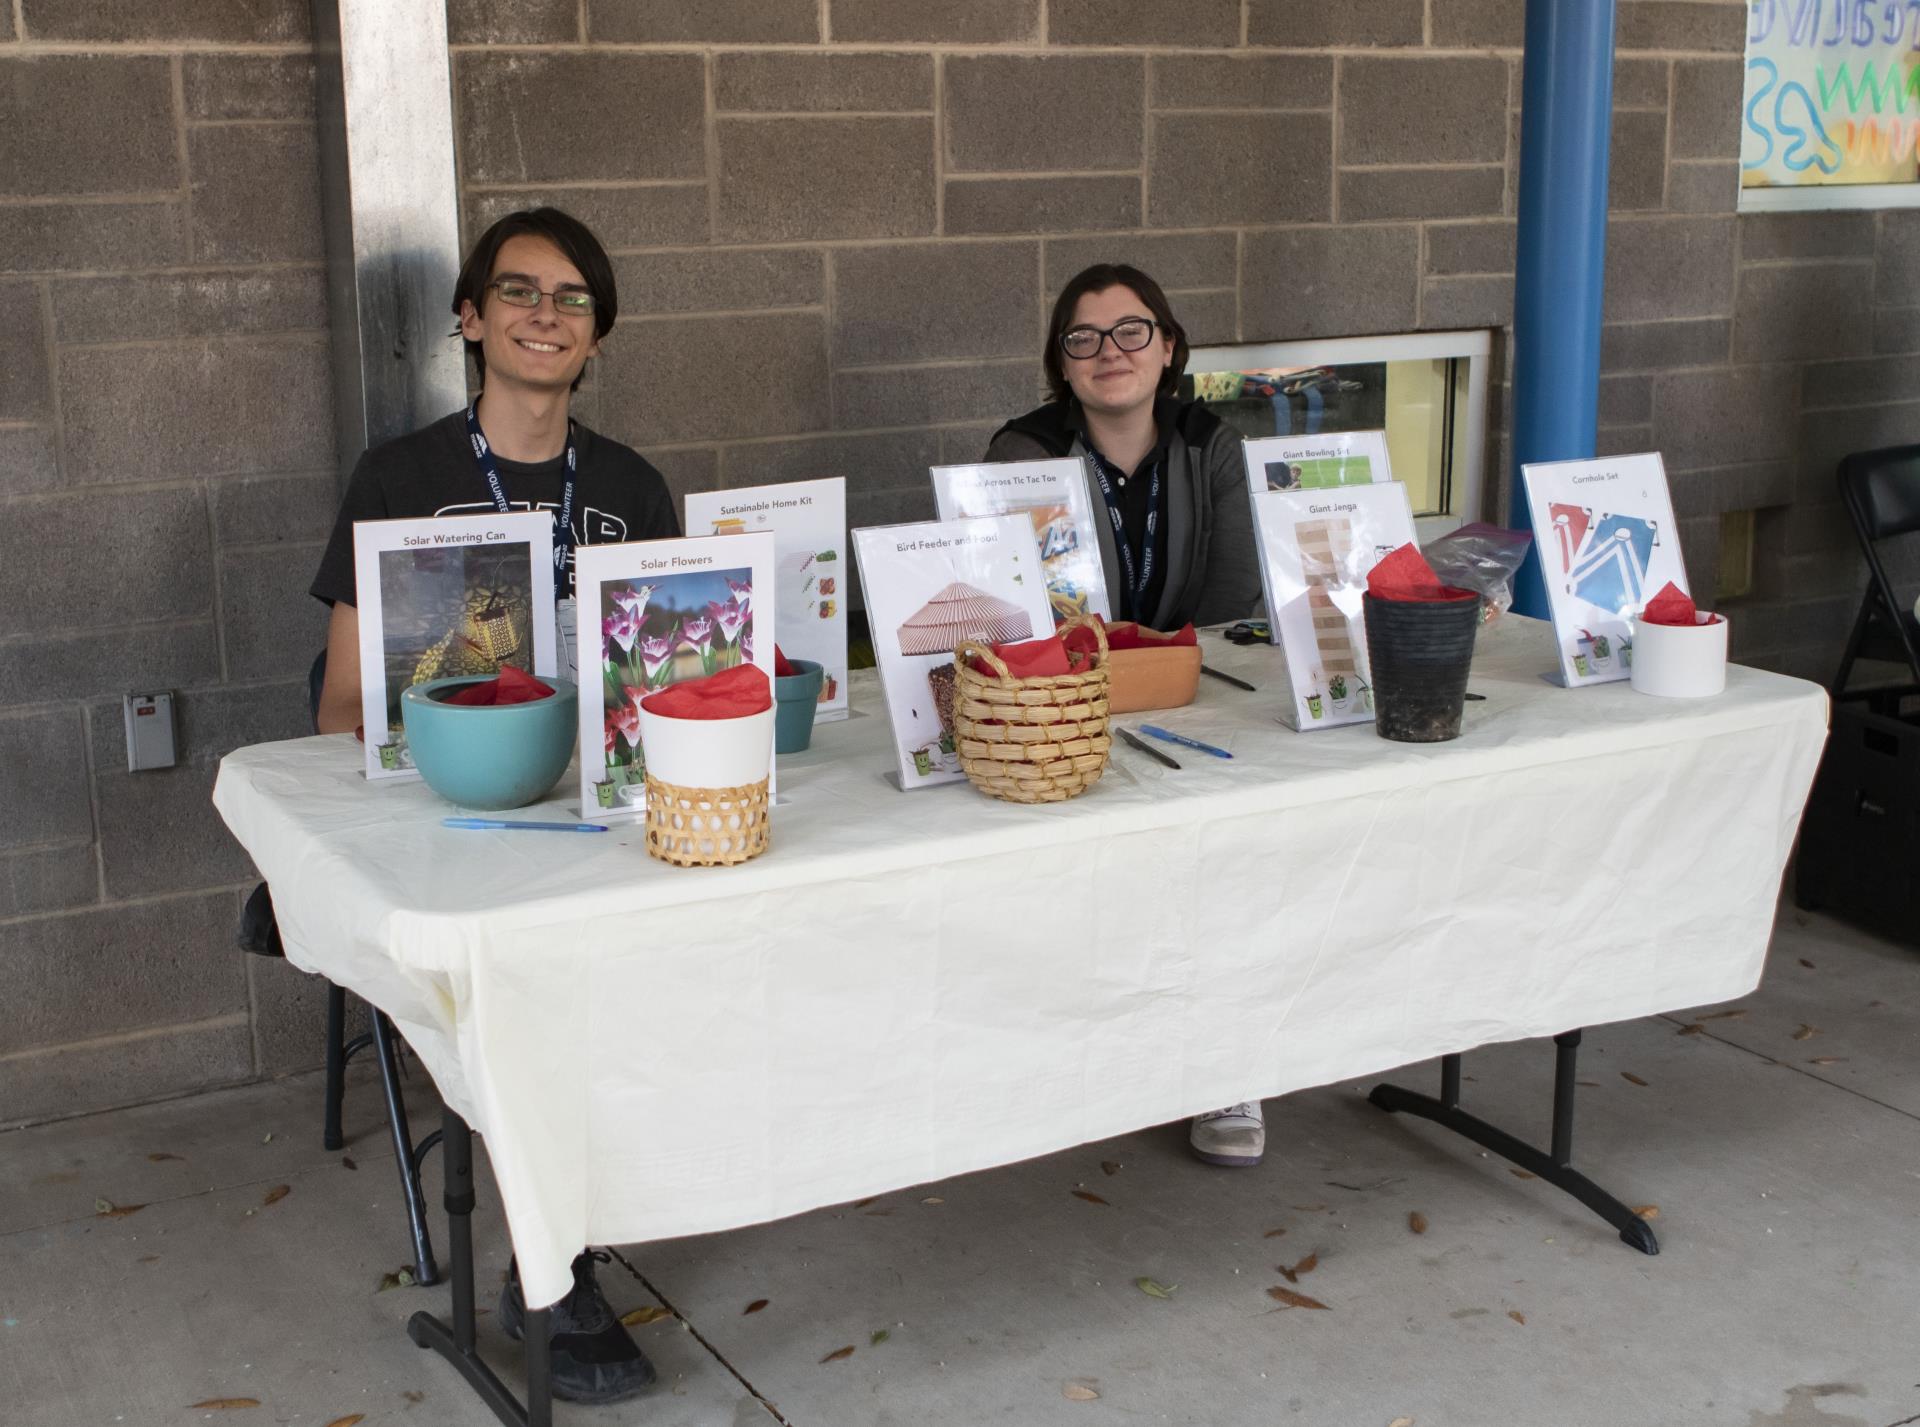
(492, 757)
(795, 699)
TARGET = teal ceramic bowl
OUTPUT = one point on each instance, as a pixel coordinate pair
(490, 757)
(796, 697)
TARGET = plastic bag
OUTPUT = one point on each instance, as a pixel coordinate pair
(1483, 558)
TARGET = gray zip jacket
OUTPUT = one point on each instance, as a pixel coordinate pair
(1213, 569)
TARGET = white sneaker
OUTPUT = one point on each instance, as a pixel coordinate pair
(1236, 1135)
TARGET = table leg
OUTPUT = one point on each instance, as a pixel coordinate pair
(455, 1341)
(1555, 1167)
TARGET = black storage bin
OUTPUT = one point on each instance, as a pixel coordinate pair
(1860, 837)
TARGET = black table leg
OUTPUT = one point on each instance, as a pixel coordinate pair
(1555, 1167)
(405, 1153)
(455, 1341)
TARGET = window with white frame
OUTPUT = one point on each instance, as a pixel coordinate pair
(1426, 390)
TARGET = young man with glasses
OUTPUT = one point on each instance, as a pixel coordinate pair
(1176, 540)
(534, 299)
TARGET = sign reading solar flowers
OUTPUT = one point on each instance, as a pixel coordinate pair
(659, 612)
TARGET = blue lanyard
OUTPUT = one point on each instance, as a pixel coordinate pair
(562, 518)
(1136, 587)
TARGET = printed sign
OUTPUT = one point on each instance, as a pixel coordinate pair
(808, 522)
(441, 597)
(1607, 543)
(1305, 463)
(1054, 496)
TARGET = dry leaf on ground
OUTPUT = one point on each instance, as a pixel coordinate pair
(1590, 1084)
(1808, 964)
(1089, 1196)
(753, 1307)
(1401, 1422)
(1523, 1174)
(640, 1317)
(1288, 1298)
(1647, 1211)
(107, 1209)
(1692, 1029)
(933, 1199)
(349, 1420)
(222, 1404)
(1306, 1265)
(346, 1162)
(1826, 1060)
(1739, 1013)
(1517, 1316)
(162, 1157)
(1154, 1289)
(1631, 1078)
(863, 1203)
(1417, 1222)
(880, 1335)
(1806, 1032)
(148, 1258)
(1274, 1234)
(838, 1354)
(1079, 1392)
(1310, 1208)
(1108, 1166)
(401, 1277)
(276, 1194)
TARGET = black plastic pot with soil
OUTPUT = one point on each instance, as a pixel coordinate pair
(1421, 652)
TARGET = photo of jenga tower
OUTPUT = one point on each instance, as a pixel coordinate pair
(1325, 547)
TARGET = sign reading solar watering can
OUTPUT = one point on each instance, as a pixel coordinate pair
(1607, 543)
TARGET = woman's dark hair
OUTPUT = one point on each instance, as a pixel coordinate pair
(567, 233)
(1099, 278)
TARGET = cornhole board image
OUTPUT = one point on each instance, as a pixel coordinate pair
(1608, 544)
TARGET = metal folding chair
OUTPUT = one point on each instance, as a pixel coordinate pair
(1881, 492)
(260, 934)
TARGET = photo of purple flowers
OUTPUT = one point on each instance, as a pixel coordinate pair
(674, 628)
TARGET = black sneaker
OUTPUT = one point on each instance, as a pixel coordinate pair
(595, 1360)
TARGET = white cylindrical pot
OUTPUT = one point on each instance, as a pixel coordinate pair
(1679, 661)
(708, 752)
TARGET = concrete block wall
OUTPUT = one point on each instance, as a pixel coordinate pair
(838, 226)
(166, 474)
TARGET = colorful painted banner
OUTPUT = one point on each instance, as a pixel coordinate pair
(1832, 93)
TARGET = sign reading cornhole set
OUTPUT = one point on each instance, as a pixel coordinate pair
(1607, 542)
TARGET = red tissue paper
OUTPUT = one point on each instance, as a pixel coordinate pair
(733, 693)
(1673, 606)
(1128, 635)
(511, 687)
(1406, 575)
(1030, 660)
(782, 666)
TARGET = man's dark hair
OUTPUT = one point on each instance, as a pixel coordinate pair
(1099, 278)
(567, 233)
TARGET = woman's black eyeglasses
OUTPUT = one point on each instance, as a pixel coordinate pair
(1129, 335)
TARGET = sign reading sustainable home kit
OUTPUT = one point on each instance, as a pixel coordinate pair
(1055, 496)
(654, 613)
(1305, 463)
(808, 522)
(1316, 549)
(1607, 543)
(442, 597)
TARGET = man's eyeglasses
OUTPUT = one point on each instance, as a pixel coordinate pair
(1131, 335)
(572, 301)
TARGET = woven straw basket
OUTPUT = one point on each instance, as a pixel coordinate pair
(706, 827)
(1039, 740)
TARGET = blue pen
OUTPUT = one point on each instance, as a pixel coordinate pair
(494, 824)
(1155, 731)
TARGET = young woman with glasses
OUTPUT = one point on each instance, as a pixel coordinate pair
(1176, 539)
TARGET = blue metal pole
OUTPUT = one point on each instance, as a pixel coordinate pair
(1565, 122)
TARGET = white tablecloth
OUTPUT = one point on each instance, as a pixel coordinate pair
(913, 985)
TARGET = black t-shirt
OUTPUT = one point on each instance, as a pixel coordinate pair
(1135, 492)
(617, 496)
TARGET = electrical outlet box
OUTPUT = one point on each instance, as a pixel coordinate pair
(150, 742)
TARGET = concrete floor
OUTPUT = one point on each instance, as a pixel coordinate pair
(1785, 1167)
